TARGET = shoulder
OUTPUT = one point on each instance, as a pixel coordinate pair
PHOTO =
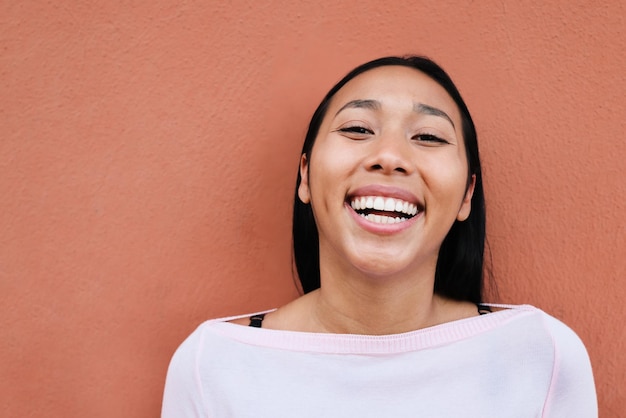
(560, 333)
(564, 338)
(184, 393)
(209, 332)
(571, 390)
(571, 360)
(565, 343)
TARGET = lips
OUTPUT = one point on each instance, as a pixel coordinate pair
(383, 210)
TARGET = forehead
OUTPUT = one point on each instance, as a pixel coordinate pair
(396, 85)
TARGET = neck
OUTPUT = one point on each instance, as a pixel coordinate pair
(376, 306)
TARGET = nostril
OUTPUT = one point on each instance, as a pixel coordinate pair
(399, 169)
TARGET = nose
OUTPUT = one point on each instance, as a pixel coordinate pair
(390, 154)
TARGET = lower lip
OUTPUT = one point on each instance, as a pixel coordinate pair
(381, 228)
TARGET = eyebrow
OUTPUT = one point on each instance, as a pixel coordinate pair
(429, 110)
(361, 103)
(376, 105)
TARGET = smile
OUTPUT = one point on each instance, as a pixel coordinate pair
(383, 210)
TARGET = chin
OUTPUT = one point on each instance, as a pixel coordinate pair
(381, 267)
(393, 262)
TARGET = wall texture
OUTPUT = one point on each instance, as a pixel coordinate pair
(149, 149)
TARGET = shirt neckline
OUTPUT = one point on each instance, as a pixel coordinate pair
(437, 335)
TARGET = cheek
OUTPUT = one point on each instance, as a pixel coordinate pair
(448, 179)
(328, 168)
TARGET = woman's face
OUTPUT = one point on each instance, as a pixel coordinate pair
(387, 176)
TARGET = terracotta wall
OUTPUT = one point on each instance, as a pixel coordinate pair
(149, 149)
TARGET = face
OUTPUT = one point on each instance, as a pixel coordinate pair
(387, 176)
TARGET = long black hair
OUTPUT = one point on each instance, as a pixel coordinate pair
(459, 272)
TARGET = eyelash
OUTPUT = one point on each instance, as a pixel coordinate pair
(356, 130)
(360, 130)
(430, 138)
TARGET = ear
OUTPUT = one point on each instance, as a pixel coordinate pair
(303, 190)
(466, 205)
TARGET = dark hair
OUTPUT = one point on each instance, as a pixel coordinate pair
(459, 272)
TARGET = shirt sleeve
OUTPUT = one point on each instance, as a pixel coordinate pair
(182, 396)
(572, 391)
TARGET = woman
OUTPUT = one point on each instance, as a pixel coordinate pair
(388, 229)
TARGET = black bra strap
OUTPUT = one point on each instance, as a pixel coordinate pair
(257, 320)
(483, 309)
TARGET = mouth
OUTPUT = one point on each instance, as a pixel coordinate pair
(384, 210)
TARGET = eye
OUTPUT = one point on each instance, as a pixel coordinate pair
(430, 139)
(356, 130)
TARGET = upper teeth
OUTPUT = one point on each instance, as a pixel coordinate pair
(386, 204)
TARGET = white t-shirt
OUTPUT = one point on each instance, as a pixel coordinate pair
(517, 362)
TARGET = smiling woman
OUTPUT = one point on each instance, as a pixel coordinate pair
(385, 138)
(388, 230)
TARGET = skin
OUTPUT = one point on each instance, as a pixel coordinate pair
(393, 132)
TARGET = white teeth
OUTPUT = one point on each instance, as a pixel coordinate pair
(390, 205)
(382, 219)
(384, 204)
(399, 210)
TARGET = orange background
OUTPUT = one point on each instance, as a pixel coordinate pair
(149, 151)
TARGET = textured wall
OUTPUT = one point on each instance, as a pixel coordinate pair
(149, 151)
